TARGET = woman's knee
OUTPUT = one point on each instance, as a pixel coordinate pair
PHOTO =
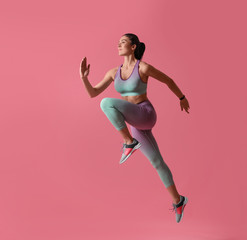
(156, 162)
(105, 103)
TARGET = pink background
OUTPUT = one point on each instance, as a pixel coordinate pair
(58, 178)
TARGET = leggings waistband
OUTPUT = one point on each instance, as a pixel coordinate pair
(145, 101)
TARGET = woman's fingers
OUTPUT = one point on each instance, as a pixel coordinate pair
(81, 67)
(184, 106)
(84, 69)
(83, 63)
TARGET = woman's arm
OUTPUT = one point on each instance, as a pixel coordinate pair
(151, 71)
(101, 86)
(91, 91)
(104, 83)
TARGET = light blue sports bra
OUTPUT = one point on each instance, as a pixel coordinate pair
(133, 85)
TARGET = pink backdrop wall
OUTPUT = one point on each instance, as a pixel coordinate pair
(58, 181)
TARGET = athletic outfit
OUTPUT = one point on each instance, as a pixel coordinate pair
(141, 117)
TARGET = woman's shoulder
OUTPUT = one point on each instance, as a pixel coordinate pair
(113, 72)
(143, 67)
(143, 64)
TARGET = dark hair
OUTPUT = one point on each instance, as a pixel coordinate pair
(140, 46)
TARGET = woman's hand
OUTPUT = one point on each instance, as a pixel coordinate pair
(184, 104)
(84, 70)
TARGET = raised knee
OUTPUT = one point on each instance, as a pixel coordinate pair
(104, 103)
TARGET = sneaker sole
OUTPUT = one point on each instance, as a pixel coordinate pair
(185, 202)
(134, 148)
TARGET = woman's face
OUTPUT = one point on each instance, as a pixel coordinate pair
(124, 46)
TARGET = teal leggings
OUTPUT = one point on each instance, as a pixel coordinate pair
(142, 118)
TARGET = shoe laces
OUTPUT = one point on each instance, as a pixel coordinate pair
(124, 145)
(173, 209)
(121, 150)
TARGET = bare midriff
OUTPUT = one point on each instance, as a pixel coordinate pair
(135, 99)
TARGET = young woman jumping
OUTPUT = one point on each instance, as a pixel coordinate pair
(130, 80)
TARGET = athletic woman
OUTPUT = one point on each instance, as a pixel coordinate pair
(130, 80)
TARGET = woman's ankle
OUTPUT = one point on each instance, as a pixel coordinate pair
(128, 141)
(177, 200)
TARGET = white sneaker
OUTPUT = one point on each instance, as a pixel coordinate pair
(129, 149)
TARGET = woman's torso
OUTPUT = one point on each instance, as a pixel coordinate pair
(125, 74)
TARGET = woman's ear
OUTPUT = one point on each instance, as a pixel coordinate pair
(134, 47)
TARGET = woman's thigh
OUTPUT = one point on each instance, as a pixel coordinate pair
(141, 116)
(149, 145)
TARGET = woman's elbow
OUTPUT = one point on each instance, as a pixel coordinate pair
(94, 93)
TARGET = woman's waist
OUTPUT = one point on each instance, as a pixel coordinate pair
(136, 99)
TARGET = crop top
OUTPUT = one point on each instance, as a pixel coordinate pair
(133, 85)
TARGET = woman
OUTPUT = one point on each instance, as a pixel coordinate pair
(130, 80)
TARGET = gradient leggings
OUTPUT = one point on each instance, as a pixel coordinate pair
(142, 118)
